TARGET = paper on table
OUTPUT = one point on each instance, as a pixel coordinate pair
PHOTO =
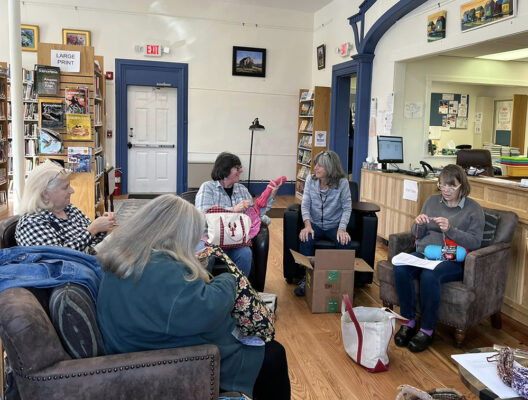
(409, 259)
(486, 372)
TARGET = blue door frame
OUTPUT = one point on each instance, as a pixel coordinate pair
(151, 73)
(365, 45)
(340, 110)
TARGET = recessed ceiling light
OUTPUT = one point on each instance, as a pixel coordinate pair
(507, 55)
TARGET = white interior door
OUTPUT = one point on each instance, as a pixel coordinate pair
(152, 126)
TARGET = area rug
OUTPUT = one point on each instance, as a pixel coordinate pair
(125, 208)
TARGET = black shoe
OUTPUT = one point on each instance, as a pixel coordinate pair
(300, 290)
(403, 336)
(420, 342)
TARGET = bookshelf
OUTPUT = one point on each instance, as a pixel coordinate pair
(88, 186)
(30, 122)
(313, 131)
(4, 182)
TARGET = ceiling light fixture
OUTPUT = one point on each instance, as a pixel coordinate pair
(507, 55)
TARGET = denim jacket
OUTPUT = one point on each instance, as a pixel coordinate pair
(48, 266)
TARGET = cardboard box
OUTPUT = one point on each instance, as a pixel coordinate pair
(329, 275)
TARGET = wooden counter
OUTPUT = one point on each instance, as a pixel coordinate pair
(397, 215)
(386, 190)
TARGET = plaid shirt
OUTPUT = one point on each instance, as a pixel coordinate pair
(43, 228)
(211, 194)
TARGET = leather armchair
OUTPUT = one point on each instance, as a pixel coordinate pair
(362, 227)
(44, 371)
(259, 248)
(481, 292)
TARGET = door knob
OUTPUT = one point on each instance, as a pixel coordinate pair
(129, 145)
(131, 134)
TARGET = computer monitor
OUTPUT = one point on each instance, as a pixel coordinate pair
(390, 150)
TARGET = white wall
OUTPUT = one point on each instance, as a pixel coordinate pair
(200, 33)
(405, 41)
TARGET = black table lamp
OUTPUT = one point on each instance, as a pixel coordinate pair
(255, 126)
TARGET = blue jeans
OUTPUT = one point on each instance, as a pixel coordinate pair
(308, 248)
(242, 257)
(430, 288)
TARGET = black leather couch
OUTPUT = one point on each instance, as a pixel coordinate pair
(259, 247)
(362, 227)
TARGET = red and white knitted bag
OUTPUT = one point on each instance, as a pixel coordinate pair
(227, 229)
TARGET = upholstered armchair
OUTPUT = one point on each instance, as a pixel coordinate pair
(259, 248)
(362, 227)
(481, 292)
(43, 370)
(479, 158)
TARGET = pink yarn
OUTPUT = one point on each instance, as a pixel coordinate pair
(261, 202)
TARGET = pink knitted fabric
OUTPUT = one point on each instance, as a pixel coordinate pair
(261, 202)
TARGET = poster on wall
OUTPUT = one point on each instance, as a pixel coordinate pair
(477, 13)
(436, 26)
(503, 112)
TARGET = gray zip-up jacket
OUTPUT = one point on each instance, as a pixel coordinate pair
(328, 208)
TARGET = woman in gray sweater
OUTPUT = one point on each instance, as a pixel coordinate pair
(445, 218)
(325, 208)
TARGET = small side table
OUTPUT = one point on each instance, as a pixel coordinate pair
(476, 386)
(365, 207)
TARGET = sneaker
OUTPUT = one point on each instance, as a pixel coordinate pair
(300, 290)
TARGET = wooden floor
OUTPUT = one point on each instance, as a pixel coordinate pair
(320, 368)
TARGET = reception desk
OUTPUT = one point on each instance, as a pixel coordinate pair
(397, 215)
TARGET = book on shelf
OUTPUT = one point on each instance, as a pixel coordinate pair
(78, 127)
(310, 110)
(47, 80)
(310, 94)
(51, 113)
(80, 159)
(309, 127)
(304, 96)
(29, 93)
(30, 147)
(305, 108)
(76, 100)
(302, 126)
(3, 197)
(98, 192)
(49, 141)
(3, 175)
(299, 187)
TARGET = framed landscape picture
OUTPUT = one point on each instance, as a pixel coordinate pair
(321, 56)
(249, 61)
(436, 26)
(29, 37)
(76, 37)
(477, 13)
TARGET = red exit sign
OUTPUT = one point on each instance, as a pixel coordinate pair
(153, 50)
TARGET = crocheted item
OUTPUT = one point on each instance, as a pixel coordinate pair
(408, 392)
(516, 377)
(254, 211)
(504, 360)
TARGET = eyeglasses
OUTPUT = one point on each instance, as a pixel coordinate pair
(448, 188)
(63, 172)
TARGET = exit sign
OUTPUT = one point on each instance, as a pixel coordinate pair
(153, 50)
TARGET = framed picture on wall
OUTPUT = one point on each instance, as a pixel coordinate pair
(76, 37)
(249, 61)
(478, 13)
(321, 56)
(436, 26)
(29, 37)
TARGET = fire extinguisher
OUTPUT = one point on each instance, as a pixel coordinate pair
(117, 190)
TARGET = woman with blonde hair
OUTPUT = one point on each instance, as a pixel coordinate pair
(48, 217)
(155, 294)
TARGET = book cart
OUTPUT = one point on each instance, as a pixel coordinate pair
(313, 131)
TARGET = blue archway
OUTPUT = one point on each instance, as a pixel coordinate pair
(362, 65)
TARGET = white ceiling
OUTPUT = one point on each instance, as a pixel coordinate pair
(309, 6)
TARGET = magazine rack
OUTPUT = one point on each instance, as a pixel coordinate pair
(83, 136)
